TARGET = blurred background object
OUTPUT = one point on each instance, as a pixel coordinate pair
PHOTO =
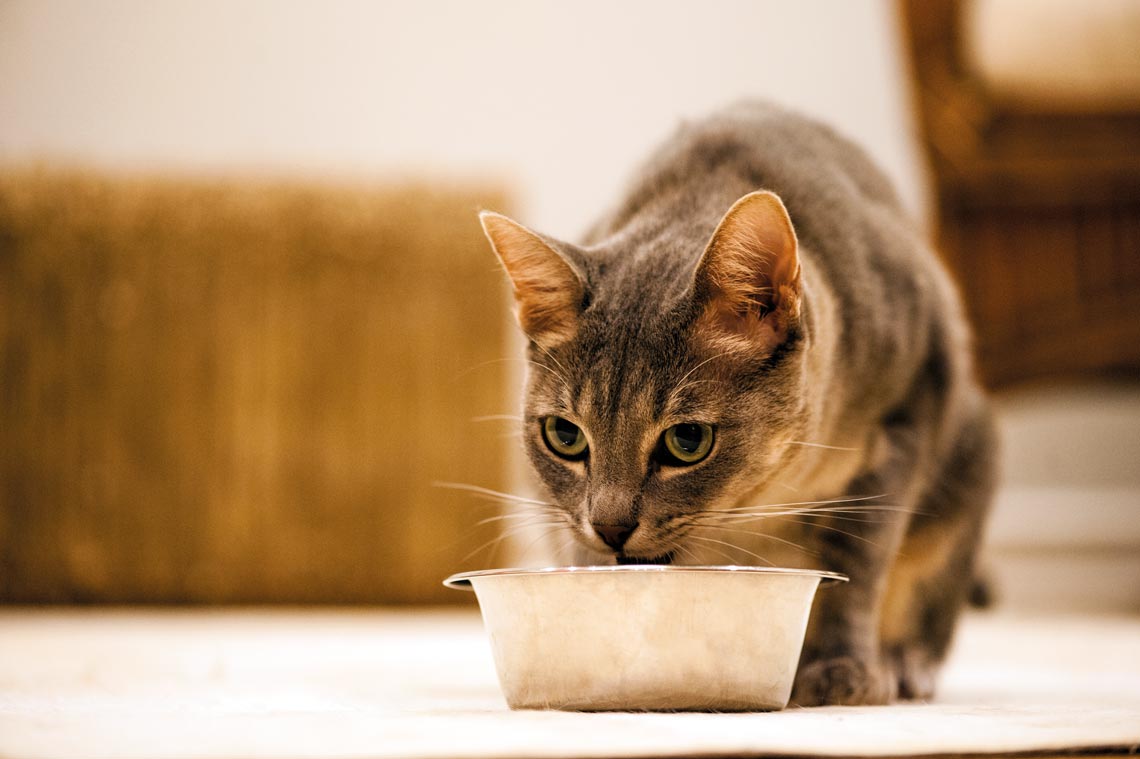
(1030, 120)
(242, 391)
(239, 344)
(1033, 137)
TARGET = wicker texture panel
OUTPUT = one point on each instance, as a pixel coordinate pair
(241, 391)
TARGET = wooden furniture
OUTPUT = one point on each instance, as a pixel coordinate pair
(243, 391)
(1038, 209)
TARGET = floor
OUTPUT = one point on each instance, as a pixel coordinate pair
(375, 683)
(1064, 532)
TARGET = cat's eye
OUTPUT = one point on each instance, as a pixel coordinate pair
(564, 437)
(687, 443)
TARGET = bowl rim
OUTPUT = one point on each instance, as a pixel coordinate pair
(462, 580)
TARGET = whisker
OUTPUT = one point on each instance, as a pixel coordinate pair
(765, 535)
(488, 493)
(707, 539)
(694, 383)
(562, 549)
(534, 518)
(832, 528)
(825, 502)
(552, 358)
(686, 551)
(689, 373)
(682, 387)
(676, 530)
(834, 513)
(557, 375)
(546, 534)
(821, 445)
(525, 515)
(482, 546)
(497, 418)
(869, 508)
(845, 516)
(505, 534)
(719, 552)
(482, 364)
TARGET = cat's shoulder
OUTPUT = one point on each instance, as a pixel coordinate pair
(788, 146)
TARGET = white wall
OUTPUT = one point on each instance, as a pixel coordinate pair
(561, 99)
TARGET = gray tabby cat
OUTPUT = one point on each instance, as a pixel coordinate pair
(758, 323)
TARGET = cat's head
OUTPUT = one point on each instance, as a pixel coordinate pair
(666, 374)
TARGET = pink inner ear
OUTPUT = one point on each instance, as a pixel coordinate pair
(750, 274)
(547, 290)
(730, 332)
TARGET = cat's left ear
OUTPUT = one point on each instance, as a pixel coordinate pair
(548, 290)
(748, 280)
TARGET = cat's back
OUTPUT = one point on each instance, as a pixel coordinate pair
(806, 159)
(753, 145)
(893, 298)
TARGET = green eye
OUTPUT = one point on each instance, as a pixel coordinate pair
(564, 437)
(688, 443)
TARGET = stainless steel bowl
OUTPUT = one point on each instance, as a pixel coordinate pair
(645, 637)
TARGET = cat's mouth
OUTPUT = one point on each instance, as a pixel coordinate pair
(663, 559)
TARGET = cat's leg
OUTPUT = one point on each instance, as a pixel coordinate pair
(910, 567)
(935, 568)
(916, 641)
(842, 660)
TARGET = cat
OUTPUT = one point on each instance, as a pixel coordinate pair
(755, 358)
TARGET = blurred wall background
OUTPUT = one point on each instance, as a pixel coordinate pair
(539, 108)
(560, 100)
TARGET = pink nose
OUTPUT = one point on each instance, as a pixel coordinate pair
(614, 535)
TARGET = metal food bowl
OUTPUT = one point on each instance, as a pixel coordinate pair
(646, 637)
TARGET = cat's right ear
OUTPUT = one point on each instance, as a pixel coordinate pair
(748, 280)
(548, 290)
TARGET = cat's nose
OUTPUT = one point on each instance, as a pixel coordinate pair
(614, 535)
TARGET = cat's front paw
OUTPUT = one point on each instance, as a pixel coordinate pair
(843, 681)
